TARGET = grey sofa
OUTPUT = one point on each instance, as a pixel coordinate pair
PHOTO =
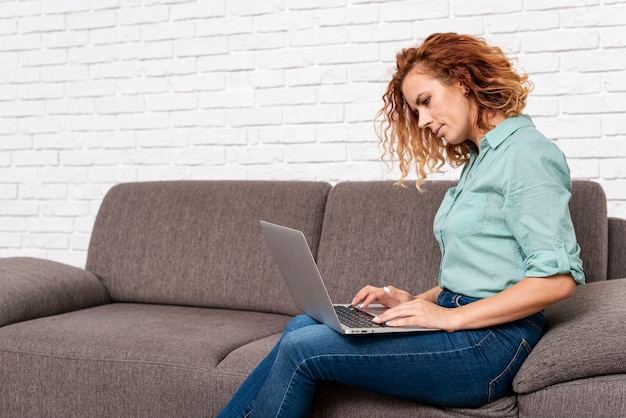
(180, 299)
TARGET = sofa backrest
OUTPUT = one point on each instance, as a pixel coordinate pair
(376, 233)
(589, 215)
(199, 243)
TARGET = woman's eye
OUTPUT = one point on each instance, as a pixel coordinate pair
(426, 101)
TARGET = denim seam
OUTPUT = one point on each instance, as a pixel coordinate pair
(523, 345)
(487, 335)
(282, 401)
(533, 325)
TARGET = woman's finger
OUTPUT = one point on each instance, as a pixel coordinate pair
(362, 295)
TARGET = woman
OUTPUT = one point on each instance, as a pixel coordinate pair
(506, 236)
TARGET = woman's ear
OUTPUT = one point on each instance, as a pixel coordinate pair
(464, 89)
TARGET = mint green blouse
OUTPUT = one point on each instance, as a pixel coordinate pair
(508, 218)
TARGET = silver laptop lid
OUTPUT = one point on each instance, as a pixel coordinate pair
(299, 270)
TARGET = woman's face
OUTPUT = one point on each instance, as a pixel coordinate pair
(442, 108)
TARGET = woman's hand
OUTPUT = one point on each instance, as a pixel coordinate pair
(418, 312)
(404, 308)
(388, 296)
(524, 298)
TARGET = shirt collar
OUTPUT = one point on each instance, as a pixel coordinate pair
(505, 129)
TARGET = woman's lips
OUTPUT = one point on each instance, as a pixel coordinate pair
(438, 131)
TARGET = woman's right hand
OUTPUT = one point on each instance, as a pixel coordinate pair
(388, 296)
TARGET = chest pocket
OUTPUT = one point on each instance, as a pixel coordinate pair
(466, 216)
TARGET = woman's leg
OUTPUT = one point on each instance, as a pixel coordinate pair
(463, 369)
(241, 403)
(466, 368)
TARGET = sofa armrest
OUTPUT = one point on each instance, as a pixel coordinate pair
(32, 288)
(617, 249)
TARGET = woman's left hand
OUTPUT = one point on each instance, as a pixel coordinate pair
(418, 312)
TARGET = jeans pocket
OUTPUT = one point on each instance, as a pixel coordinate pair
(499, 386)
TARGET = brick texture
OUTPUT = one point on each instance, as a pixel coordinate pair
(93, 93)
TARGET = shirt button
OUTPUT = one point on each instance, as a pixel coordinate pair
(559, 245)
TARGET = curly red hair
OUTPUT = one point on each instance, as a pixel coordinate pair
(486, 73)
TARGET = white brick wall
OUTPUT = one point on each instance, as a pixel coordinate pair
(93, 93)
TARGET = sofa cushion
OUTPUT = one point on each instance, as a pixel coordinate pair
(585, 336)
(199, 243)
(617, 248)
(335, 400)
(128, 360)
(602, 396)
(378, 233)
(589, 216)
(245, 358)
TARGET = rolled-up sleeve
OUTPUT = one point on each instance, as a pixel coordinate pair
(536, 210)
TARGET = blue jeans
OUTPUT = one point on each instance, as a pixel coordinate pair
(459, 369)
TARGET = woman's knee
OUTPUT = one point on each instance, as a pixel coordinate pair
(309, 339)
(300, 321)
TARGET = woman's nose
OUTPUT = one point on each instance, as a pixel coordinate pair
(424, 119)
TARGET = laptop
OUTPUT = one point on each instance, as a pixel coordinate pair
(308, 291)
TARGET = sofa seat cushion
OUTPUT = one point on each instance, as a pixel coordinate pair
(585, 336)
(601, 396)
(115, 358)
(336, 400)
(244, 359)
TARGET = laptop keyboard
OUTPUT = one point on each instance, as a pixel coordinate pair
(355, 318)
